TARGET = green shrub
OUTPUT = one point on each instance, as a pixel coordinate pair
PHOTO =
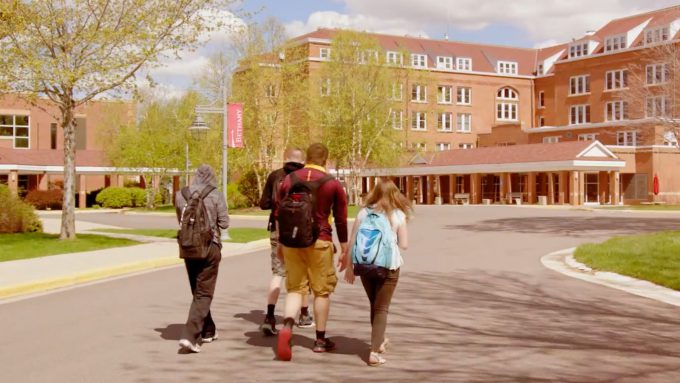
(247, 186)
(138, 196)
(115, 197)
(43, 199)
(16, 216)
(236, 199)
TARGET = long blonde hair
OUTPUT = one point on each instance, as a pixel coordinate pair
(386, 197)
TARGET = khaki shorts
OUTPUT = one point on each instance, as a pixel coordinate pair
(310, 267)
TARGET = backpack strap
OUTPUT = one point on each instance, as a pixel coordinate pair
(207, 190)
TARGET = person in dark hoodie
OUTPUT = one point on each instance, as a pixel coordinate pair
(203, 272)
(294, 159)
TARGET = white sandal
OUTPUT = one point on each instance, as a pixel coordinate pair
(375, 359)
(383, 346)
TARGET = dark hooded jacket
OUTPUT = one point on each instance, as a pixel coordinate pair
(215, 203)
(268, 201)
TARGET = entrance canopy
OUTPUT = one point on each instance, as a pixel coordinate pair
(562, 156)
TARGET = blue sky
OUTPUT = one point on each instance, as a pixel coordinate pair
(520, 23)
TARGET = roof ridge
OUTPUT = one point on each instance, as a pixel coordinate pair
(643, 13)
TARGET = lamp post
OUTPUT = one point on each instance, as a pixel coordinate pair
(200, 126)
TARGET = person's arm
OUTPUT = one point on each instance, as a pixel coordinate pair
(349, 271)
(267, 198)
(402, 234)
(340, 216)
(222, 213)
(179, 205)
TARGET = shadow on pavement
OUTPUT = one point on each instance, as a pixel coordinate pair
(574, 226)
(171, 332)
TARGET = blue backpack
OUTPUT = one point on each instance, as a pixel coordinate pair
(374, 245)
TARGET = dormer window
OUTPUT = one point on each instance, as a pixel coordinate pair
(615, 43)
(418, 61)
(395, 58)
(578, 50)
(657, 35)
(540, 70)
(444, 62)
(464, 64)
(507, 67)
(325, 53)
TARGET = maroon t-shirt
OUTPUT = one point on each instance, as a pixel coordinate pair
(330, 196)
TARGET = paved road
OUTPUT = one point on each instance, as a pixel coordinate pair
(473, 304)
(152, 221)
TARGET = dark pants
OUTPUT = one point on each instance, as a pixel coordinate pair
(380, 293)
(202, 278)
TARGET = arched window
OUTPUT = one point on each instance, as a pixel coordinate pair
(507, 104)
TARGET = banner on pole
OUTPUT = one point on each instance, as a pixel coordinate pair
(235, 125)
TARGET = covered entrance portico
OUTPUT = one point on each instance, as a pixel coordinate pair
(573, 173)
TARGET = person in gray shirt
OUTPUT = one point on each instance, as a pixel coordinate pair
(203, 272)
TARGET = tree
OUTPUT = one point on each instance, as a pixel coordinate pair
(72, 51)
(152, 145)
(354, 108)
(273, 87)
(653, 91)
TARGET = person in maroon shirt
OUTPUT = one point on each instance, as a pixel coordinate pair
(313, 266)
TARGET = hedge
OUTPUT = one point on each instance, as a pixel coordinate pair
(117, 197)
(43, 199)
(16, 216)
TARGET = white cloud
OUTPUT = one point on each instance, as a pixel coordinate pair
(542, 20)
(331, 19)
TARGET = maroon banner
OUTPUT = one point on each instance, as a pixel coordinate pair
(235, 125)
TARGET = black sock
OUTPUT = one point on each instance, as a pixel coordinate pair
(270, 311)
(288, 322)
(304, 310)
(321, 335)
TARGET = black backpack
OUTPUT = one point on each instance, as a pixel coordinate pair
(296, 224)
(195, 233)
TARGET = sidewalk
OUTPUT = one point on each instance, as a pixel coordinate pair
(58, 271)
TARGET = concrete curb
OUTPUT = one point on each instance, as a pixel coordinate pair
(117, 271)
(563, 262)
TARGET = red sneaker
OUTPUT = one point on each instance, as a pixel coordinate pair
(284, 345)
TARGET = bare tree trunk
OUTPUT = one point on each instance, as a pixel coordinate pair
(68, 215)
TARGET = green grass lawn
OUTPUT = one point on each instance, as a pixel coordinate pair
(643, 207)
(237, 234)
(32, 245)
(157, 209)
(653, 257)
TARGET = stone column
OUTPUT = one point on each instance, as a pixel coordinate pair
(531, 188)
(13, 182)
(614, 185)
(563, 187)
(551, 189)
(452, 188)
(409, 188)
(581, 188)
(430, 190)
(82, 192)
(475, 188)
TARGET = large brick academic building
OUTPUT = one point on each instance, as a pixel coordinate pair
(499, 124)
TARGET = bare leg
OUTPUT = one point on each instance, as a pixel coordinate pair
(321, 308)
(274, 289)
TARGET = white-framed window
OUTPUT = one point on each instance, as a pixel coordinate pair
(464, 64)
(551, 139)
(657, 73)
(579, 85)
(463, 95)
(419, 93)
(444, 122)
(16, 128)
(465, 146)
(325, 87)
(418, 146)
(444, 94)
(541, 99)
(670, 139)
(579, 114)
(445, 62)
(464, 122)
(578, 50)
(540, 70)
(541, 121)
(615, 43)
(395, 58)
(368, 56)
(441, 146)
(626, 138)
(418, 60)
(657, 106)
(507, 67)
(506, 104)
(657, 35)
(325, 53)
(616, 111)
(397, 119)
(587, 137)
(419, 121)
(397, 91)
(270, 91)
(616, 79)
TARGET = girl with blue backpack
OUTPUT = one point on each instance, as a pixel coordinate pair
(378, 234)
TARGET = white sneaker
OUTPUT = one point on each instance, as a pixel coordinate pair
(186, 345)
(210, 339)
